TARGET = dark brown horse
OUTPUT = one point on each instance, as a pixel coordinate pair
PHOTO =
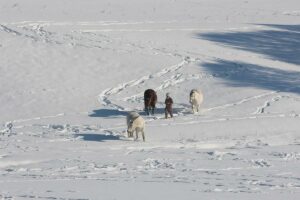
(150, 99)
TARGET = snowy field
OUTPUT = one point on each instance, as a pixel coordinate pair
(72, 69)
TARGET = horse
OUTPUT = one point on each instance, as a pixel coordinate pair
(150, 99)
(196, 99)
(135, 123)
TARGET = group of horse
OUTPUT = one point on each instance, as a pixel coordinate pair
(136, 123)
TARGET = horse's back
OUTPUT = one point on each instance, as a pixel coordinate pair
(136, 120)
(195, 91)
(197, 96)
(132, 116)
(140, 122)
(150, 95)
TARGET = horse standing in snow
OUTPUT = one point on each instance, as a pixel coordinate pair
(150, 99)
(135, 123)
(196, 99)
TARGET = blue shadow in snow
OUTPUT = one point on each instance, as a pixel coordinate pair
(239, 74)
(107, 113)
(284, 26)
(282, 44)
(96, 137)
(117, 113)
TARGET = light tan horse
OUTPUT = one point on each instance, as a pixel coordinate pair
(196, 99)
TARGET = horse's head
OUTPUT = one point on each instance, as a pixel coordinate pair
(192, 95)
(129, 128)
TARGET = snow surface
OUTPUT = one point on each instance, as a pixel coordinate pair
(72, 69)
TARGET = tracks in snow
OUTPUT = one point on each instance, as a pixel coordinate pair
(172, 74)
(104, 96)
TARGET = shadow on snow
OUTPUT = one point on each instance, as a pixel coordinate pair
(239, 74)
(108, 113)
(118, 113)
(96, 137)
(282, 43)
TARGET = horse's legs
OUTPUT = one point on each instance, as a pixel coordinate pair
(143, 134)
(136, 134)
(194, 108)
(147, 110)
(152, 110)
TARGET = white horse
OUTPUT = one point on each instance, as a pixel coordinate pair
(196, 99)
(135, 123)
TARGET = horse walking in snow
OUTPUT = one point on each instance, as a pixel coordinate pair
(150, 99)
(135, 123)
(196, 99)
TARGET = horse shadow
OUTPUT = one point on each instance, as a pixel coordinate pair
(94, 137)
(108, 113)
(113, 113)
(161, 111)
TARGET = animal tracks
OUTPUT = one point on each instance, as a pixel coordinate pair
(104, 97)
(242, 101)
(262, 109)
(128, 95)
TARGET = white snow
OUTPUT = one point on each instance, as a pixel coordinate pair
(72, 69)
